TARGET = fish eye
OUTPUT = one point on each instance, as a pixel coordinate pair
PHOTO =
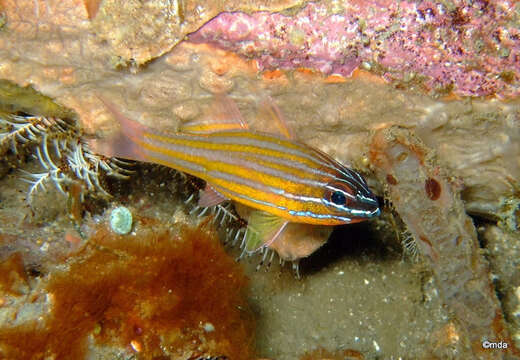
(338, 198)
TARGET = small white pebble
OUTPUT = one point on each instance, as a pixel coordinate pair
(376, 346)
(208, 327)
(121, 220)
(517, 292)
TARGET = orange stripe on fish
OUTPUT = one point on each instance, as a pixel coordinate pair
(283, 179)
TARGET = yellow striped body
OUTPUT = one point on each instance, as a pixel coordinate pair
(283, 177)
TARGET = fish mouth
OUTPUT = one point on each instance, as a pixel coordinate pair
(376, 212)
(367, 207)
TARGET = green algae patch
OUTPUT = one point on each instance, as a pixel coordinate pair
(3, 21)
(16, 99)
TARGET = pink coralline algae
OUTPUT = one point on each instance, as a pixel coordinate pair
(469, 47)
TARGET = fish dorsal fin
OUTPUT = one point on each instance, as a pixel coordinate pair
(223, 115)
(262, 229)
(270, 113)
(210, 197)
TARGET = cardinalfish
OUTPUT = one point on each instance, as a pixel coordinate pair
(280, 178)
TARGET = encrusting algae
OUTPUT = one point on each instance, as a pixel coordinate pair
(159, 294)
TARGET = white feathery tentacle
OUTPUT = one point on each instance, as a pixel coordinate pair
(71, 158)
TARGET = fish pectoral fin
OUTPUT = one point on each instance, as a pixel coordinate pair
(222, 115)
(210, 196)
(262, 229)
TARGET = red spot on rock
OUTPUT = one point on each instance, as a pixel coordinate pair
(92, 7)
(391, 179)
(138, 330)
(433, 189)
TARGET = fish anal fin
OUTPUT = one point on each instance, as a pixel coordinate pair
(210, 197)
(262, 230)
(300, 240)
(222, 115)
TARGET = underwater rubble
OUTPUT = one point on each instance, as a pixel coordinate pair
(433, 277)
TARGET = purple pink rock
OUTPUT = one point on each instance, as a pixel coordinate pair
(472, 48)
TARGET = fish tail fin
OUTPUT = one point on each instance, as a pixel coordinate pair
(125, 142)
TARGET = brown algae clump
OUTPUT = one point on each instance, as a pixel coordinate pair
(156, 295)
